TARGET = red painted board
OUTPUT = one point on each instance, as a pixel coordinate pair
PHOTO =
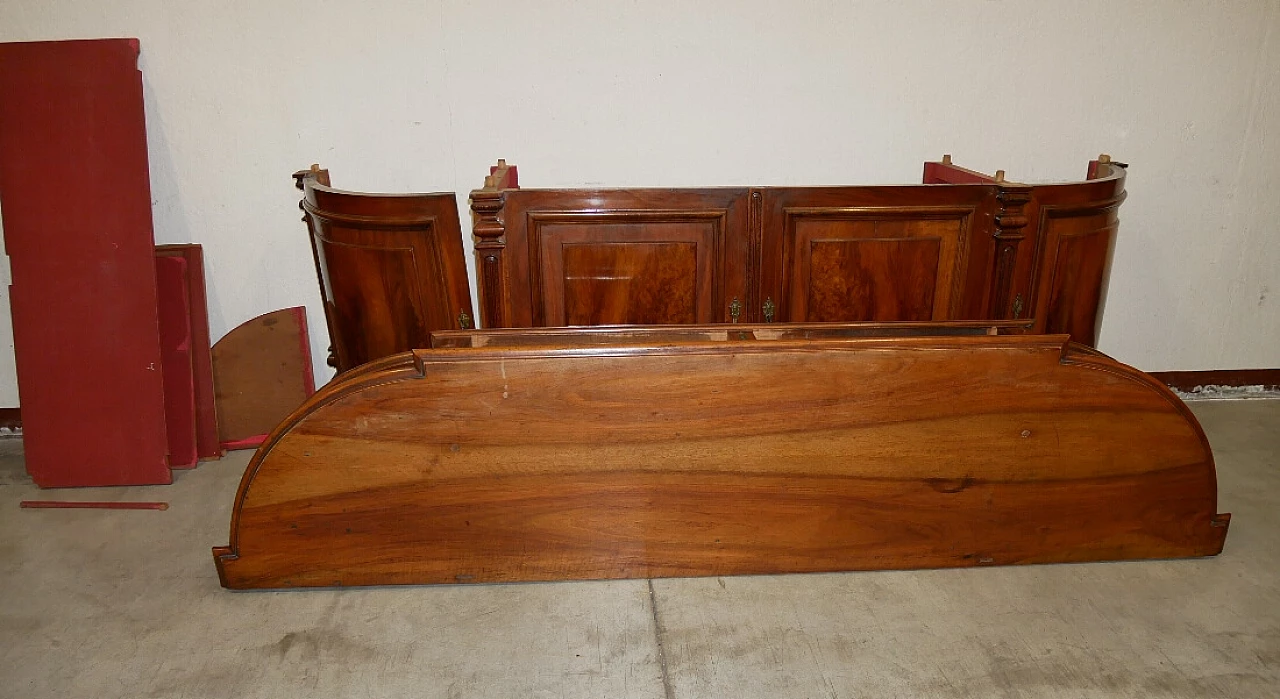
(946, 173)
(77, 225)
(175, 357)
(207, 444)
(512, 180)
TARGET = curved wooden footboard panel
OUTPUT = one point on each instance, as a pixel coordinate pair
(497, 465)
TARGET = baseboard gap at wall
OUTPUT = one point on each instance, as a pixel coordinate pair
(10, 422)
(1214, 392)
(1222, 384)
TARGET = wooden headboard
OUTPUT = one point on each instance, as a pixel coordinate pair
(961, 246)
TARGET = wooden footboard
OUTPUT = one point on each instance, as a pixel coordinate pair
(713, 458)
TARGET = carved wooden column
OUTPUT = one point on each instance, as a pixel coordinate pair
(488, 233)
(1010, 230)
(320, 175)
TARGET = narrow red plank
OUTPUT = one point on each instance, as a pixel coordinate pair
(207, 444)
(77, 225)
(247, 443)
(175, 356)
(86, 505)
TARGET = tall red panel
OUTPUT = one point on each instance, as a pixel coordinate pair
(76, 200)
(176, 359)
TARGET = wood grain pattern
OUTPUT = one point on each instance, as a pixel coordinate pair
(904, 253)
(540, 223)
(491, 465)
(635, 283)
(1076, 228)
(876, 279)
(1003, 250)
(391, 267)
(717, 332)
(262, 372)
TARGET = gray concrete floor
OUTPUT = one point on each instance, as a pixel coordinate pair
(98, 603)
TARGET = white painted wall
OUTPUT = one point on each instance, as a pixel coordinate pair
(423, 96)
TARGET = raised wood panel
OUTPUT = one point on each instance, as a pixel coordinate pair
(630, 283)
(887, 279)
(389, 307)
(860, 266)
(391, 268)
(889, 230)
(1076, 225)
(630, 267)
(528, 280)
(1078, 278)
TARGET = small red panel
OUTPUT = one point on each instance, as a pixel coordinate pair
(77, 225)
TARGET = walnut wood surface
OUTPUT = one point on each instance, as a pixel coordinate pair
(261, 373)
(496, 465)
(1077, 226)
(719, 332)
(637, 283)
(621, 256)
(391, 268)
(962, 246)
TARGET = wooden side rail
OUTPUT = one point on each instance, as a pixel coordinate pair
(714, 458)
(724, 332)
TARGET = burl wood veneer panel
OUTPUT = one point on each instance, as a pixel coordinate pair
(633, 283)
(874, 271)
(491, 465)
(620, 256)
(839, 254)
